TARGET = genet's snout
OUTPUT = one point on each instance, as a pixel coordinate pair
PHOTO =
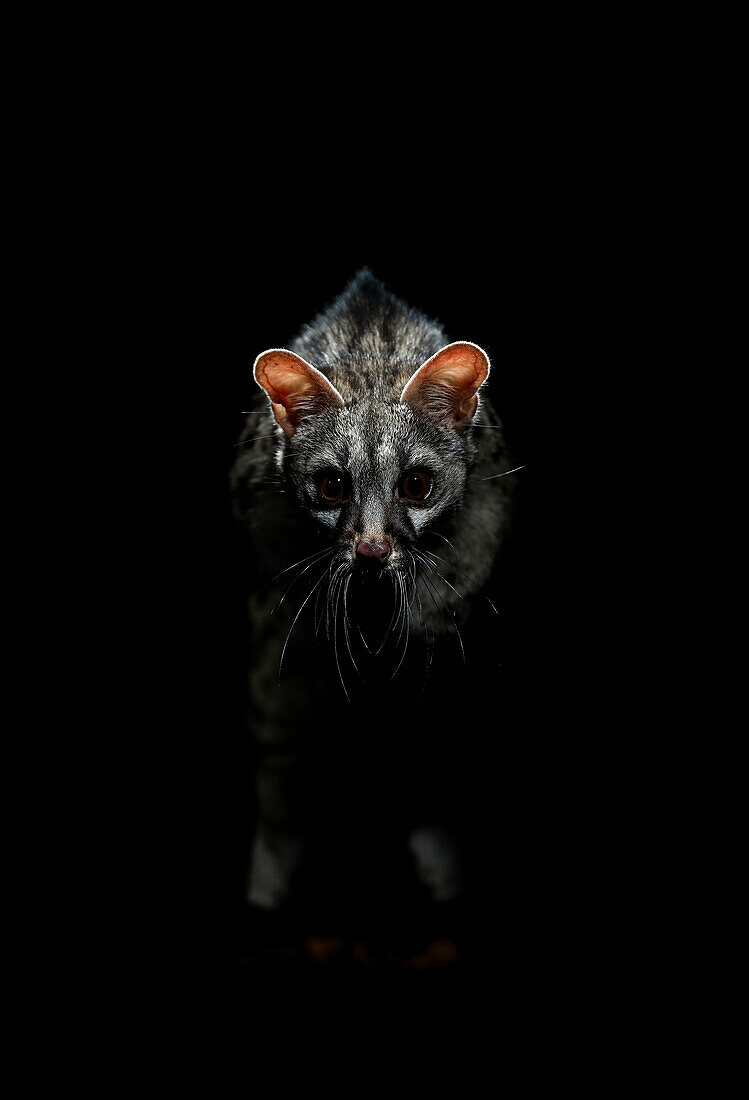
(377, 550)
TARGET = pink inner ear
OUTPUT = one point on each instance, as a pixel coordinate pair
(451, 377)
(463, 367)
(289, 380)
(281, 379)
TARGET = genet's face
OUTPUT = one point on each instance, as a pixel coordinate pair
(376, 476)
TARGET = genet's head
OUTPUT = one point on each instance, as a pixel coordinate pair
(378, 470)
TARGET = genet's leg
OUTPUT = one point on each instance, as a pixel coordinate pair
(437, 861)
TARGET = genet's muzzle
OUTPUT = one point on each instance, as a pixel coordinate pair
(372, 551)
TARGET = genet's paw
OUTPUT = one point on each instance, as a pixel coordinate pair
(440, 952)
(322, 950)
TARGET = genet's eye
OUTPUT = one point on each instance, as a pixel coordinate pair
(415, 485)
(333, 486)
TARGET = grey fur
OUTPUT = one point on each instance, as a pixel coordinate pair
(305, 612)
(369, 343)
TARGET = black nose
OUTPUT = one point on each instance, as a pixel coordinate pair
(375, 551)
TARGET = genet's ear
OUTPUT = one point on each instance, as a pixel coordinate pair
(296, 389)
(446, 385)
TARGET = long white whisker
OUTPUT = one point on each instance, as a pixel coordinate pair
(462, 572)
(460, 639)
(429, 639)
(346, 583)
(433, 597)
(393, 617)
(328, 600)
(311, 565)
(436, 570)
(431, 531)
(301, 609)
(401, 605)
(514, 470)
(452, 614)
(317, 554)
(335, 629)
(407, 617)
(265, 435)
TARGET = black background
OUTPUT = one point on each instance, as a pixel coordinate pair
(573, 240)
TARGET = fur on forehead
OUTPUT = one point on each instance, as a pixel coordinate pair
(372, 425)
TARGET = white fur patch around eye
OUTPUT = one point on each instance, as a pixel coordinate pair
(420, 517)
(326, 517)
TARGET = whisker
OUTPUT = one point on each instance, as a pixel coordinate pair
(514, 470)
(314, 612)
(462, 572)
(401, 603)
(431, 531)
(335, 631)
(407, 618)
(429, 639)
(460, 639)
(306, 568)
(393, 617)
(436, 570)
(433, 554)
(328, 600)
(412, 580)
(347, 582)
(301, 609)
(263, 435)
(433, 596)
(452, 614)
(317, 554)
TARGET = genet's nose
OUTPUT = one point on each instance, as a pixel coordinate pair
(377, 550)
